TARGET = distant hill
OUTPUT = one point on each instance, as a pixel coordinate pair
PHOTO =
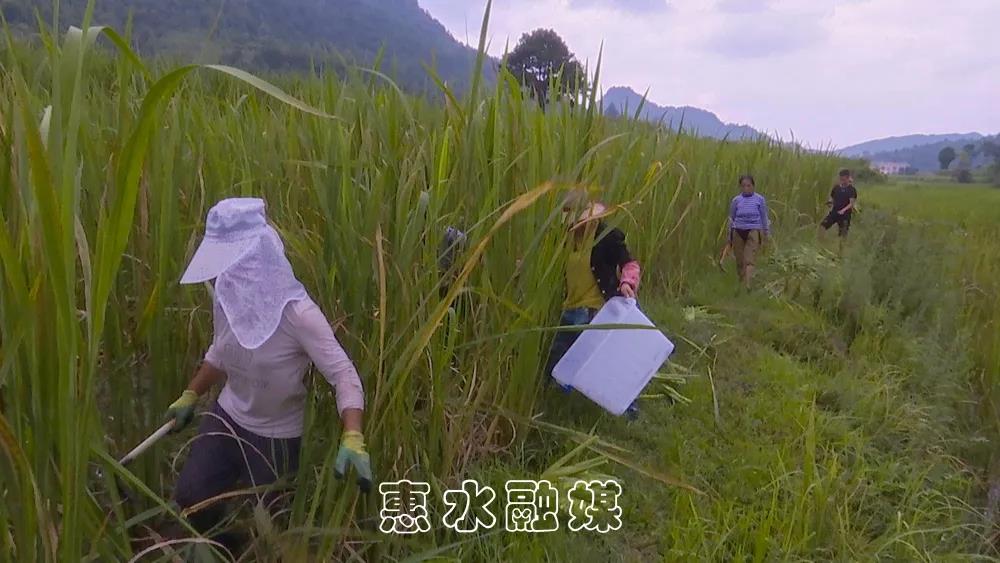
(622, 100)
(277, 34)
(890, 144)
(925, 157)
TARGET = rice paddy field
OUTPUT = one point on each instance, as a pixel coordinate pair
(844, 410)
(974, 206)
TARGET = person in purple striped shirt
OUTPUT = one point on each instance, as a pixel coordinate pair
(749, 227)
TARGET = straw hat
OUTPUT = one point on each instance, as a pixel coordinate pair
(593, 212)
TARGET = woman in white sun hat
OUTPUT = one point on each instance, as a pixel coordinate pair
(267, 332)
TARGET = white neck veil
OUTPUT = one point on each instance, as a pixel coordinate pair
(253, 292)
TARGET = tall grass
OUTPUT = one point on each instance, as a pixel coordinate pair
(108, 169)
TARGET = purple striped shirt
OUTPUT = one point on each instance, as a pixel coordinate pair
(749, 212)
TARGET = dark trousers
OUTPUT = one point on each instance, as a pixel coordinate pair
(564, 339)
(221, 461)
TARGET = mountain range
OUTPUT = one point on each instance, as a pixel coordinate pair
(277, 35)
(924, 157)
(891, 144)
(621, 100)
(295, 35)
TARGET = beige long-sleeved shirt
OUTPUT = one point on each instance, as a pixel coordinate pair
(264, 391)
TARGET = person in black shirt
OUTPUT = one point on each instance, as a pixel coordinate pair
(843, 197)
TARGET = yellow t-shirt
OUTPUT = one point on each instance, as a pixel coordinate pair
(581, 287)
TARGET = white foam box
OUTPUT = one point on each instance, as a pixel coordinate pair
(612, 366)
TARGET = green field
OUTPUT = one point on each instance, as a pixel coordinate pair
(962, 204)
(842, 411)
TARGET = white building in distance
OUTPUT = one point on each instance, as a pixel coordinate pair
(891, 168)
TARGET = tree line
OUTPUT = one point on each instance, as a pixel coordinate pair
(989, 148)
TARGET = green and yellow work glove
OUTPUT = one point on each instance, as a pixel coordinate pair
(352, 450)
(182, 410)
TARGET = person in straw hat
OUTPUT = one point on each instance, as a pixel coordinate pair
(267, 331)
(599, 266)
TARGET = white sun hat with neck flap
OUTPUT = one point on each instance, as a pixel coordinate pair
(253, 278)
(232, 227)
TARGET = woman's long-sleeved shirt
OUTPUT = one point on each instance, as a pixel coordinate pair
(749, 212)
(264, 391)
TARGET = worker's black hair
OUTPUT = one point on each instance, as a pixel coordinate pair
(748, 177)
(844, 172)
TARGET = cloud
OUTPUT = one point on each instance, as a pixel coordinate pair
(742, 6)
(831, 71)
(767, 38)
(631, 6)
(763, 28)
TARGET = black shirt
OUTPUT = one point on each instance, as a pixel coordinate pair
(842, 197)
(607, 256)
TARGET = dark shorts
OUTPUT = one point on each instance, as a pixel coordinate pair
(843, 222)
(746, 243)
(220, 462)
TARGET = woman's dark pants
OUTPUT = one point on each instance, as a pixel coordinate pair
(219, 463)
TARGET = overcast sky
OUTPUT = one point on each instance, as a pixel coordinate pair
(833, 72)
